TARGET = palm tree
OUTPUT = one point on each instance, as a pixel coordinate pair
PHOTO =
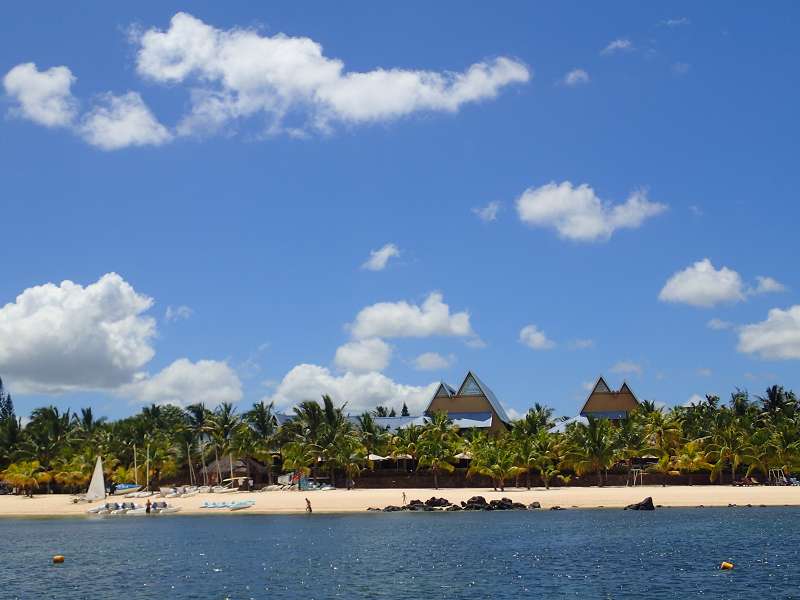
(728, 446)
(592, 448)
(437, 446)
(264, 424)
(25, 475)
(223, 424)
(692, 458)
(547, 456)
(496, 459)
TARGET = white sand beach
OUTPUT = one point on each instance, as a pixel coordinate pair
(356, 501)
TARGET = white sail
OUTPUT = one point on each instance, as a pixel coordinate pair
(97, 486)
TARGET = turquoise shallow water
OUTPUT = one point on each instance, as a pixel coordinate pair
(669, 553)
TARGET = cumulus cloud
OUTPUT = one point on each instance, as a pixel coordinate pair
(578, 214)
(371, 354)
(43, 97)
(378, 259)
(703, 372)
(768, 285)
(360, 391)
(627, 367)
(778, 337)
(185, 382)
(576, 77)
(401, 319)
(433, 361)
(694, 400)
(701, 284)
(113, 122)
(64, 337)
(121, 121)
(618, 45)
(676, 22)
(240, 73)
(178, 313)
(488, 213)
(535, 338)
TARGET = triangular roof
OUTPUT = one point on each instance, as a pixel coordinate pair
(486, 391)
(444, 390)
(601, 387)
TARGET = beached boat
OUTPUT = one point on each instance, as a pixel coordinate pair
(126, 488)
(242, 504)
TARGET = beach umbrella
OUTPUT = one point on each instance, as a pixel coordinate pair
(403, 457)
(375, 457)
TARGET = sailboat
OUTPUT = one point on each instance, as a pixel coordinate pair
(97, 486)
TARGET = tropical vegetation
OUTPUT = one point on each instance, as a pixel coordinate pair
(754, 437)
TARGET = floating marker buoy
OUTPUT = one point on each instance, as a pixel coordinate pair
(726, 566)
(58, 559)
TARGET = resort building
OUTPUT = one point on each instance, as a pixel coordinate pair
(605, 402)
(472, 405)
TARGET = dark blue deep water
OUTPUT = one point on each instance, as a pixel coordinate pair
(669, 553)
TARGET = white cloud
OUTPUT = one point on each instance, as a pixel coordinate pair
(703, 285)
(64, 337)
(535, 338)
(184, 382)
(581, 344)
(719, 324)
(696, 210)
(43, 97)
(694, 400)
(576, 77)
(360, 391)
(488, 213)
(178, 313)
(676, 22)
(618, 45)
(588, 385)
(239, 73)
(703, 372)
(379, 258)
(776, 338)
(627, 367)
(401, 319)
(768, 285)
(371, 354)
(433, 361)
(122, 121)
(577, 213)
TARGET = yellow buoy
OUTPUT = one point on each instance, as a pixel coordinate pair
(58, 559)
(726, 566)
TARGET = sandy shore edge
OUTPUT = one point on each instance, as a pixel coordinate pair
(357, 501)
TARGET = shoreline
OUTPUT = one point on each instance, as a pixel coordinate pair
(359, 500)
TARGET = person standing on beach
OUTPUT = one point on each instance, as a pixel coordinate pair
(308, 506)
(404, 498)
(147, 506)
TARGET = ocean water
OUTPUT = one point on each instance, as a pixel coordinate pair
(669, 553)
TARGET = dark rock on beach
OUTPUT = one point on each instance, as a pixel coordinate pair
(437, 502)
(534, 505)
(557, 507)
(646, 504)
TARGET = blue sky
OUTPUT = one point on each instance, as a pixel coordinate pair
(255, 206)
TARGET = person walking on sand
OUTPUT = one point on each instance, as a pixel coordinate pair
(147, 506)
(404, 498)
(308, 506)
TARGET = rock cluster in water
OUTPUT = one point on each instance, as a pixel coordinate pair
(646, 504)
(474, 503)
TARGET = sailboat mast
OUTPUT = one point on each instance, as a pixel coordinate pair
(147, 468)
